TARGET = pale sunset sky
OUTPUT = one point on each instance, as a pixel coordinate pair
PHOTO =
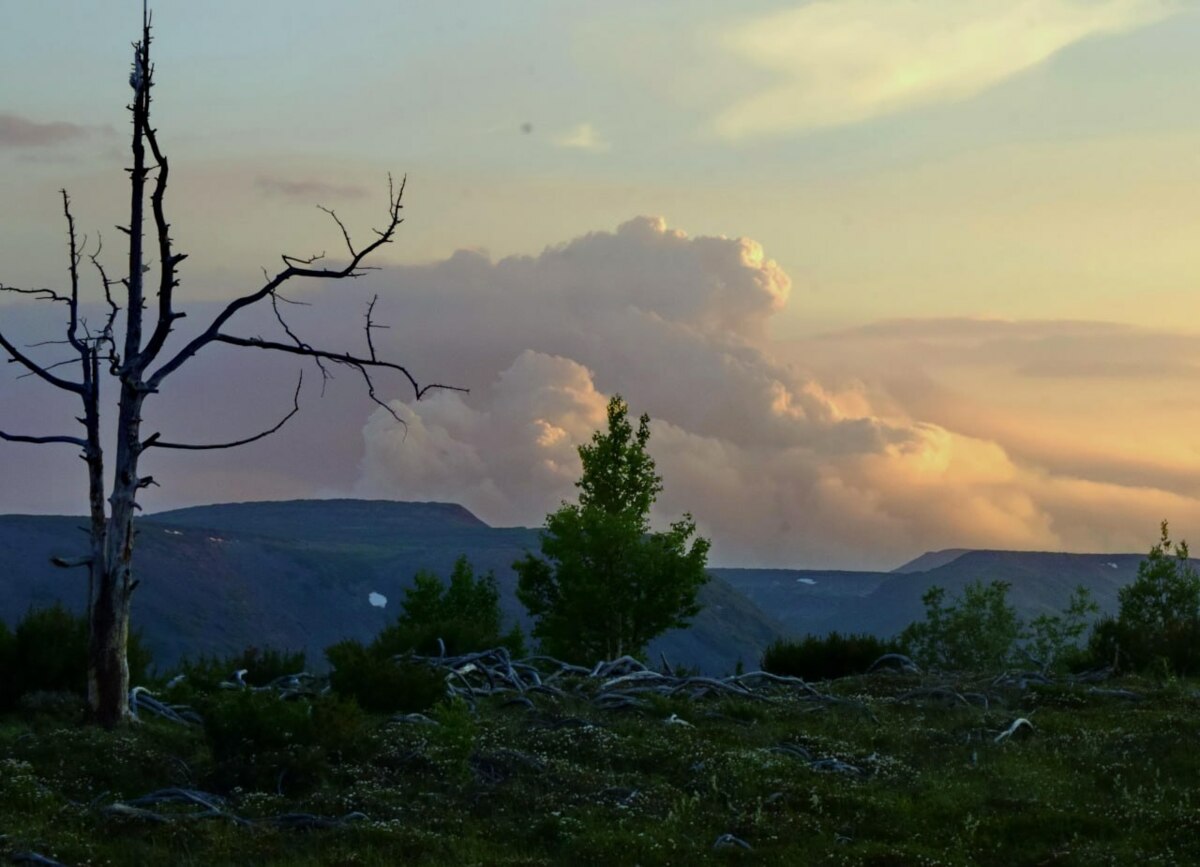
(888, 275)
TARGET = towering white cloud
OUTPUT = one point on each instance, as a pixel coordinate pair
(860, 449)
(778, 467)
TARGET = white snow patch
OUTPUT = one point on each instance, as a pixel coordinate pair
(377, 599)
(806, 580)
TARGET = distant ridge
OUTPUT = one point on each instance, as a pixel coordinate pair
(356, 519)
(809, 601)
(300, 574)
(932, 560)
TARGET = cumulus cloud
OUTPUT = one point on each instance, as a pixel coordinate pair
(856, 449)
(782, 462)
(839, 62)
(507, 458)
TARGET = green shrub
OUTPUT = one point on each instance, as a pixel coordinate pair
(457, 637)
(1173, 650)
(464, 614)
(7, 667)
(1052, 640)
(1158, 625)
(454, 736)
(47, 652)
(262, 665)
(380, 683)
(976, 632)
(260, 741)
(825, 658)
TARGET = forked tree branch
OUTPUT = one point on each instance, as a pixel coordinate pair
(36, 369)
(339, 357)
(168, 260)
(296, 268)
(153, 441)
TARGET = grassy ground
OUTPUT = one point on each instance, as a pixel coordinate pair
(1101, 779)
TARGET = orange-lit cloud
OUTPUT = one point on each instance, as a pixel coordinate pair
(860, 448)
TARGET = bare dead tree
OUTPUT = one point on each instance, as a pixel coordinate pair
(131, 350)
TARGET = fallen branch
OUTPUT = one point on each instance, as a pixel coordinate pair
(1019, 724)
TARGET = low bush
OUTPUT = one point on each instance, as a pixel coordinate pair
(977, 631)
(825, 657)
(464, 613)
(1173, 649)
(454, 736)
(259, 741)
(461, 616)
(380, 683)
(7, 650)
(47, 652)
(261, 666)
(457, 637)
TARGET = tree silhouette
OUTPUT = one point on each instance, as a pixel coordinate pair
(131, 347)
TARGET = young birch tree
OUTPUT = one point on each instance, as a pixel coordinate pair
(131, 348)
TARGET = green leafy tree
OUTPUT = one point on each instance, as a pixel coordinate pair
(1158, 624)
(977, 631)
(1052, 638)
(1166, 592)
(464, 614)
(605, 585)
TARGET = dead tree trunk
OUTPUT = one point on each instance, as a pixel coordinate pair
(138, 366)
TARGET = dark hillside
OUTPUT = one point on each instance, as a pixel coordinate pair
(1041, 582)
(805, 600)
(932, 560)
(216, 579)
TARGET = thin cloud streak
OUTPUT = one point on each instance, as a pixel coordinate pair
(582, 137)
(307, 189)
(841, 62)
(20, 132)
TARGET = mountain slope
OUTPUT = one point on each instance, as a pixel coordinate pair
(883, 603)
(297, 574)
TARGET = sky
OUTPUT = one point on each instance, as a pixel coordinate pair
(888, 275)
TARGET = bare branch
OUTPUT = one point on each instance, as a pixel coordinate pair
(46, 294)
(342, 226)
(73, 303)
(37, 370)
(114, 309)
(299, 260)
(375, 399)
(275, 299)
(63, 363)
(19, 438)
(339, 357)
(42, 343)
(153, 440)
(211, 334)
(168, 260)
(372, 326)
